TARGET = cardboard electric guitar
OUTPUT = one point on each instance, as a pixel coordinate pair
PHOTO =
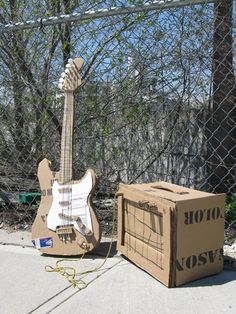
(66, 223)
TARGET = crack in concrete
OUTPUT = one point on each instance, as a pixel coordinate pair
(17, 244)
(48, 300)
(70, 296)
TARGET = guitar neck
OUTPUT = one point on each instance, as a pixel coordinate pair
(66, 167)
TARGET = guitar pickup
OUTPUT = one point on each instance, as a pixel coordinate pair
(64, 230)
(65, 190)
(69, 217)
(64, 203)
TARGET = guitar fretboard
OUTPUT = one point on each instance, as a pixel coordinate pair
(66, 168)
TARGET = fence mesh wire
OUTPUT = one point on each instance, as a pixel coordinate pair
(157, 100)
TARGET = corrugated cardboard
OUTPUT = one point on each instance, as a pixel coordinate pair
(174, 233)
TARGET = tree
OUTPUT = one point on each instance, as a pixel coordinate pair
(222, 135)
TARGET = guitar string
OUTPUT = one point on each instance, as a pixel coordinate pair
(67, 177)
(69, 161)
(72, 143)
(67, 155)
(68, 171)
(71, 113)
(64, 165)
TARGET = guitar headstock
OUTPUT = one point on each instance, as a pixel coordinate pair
(70, 79)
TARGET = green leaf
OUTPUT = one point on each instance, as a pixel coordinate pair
(230, 208)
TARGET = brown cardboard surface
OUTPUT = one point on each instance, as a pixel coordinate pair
(170, 191)
(185, 226)
(143, 250)
(140, 195)
(135, 224)
(144, 225)
(40, 229)
(200, 237)
(147, 258)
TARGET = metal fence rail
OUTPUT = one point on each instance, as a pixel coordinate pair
(100, 13)
(157, 101)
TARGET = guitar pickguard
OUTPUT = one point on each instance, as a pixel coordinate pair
(70, 204)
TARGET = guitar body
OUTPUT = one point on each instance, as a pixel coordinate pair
(66, 223)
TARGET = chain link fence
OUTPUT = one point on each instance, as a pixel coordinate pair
(157, 100)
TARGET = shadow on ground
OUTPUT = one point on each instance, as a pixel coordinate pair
(103, 248)
(215, 280)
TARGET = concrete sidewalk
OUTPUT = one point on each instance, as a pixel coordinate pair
(120, 287)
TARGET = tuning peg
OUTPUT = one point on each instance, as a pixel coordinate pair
(61, 80)
(68, 65)
(70, 61)
(67, 71)
(63, 74)
(60, 86)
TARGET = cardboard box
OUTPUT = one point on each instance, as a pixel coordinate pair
(174, 233)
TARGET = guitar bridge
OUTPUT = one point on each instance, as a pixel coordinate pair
(64, 230)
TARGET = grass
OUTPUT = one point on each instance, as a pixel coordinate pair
(230, 208)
